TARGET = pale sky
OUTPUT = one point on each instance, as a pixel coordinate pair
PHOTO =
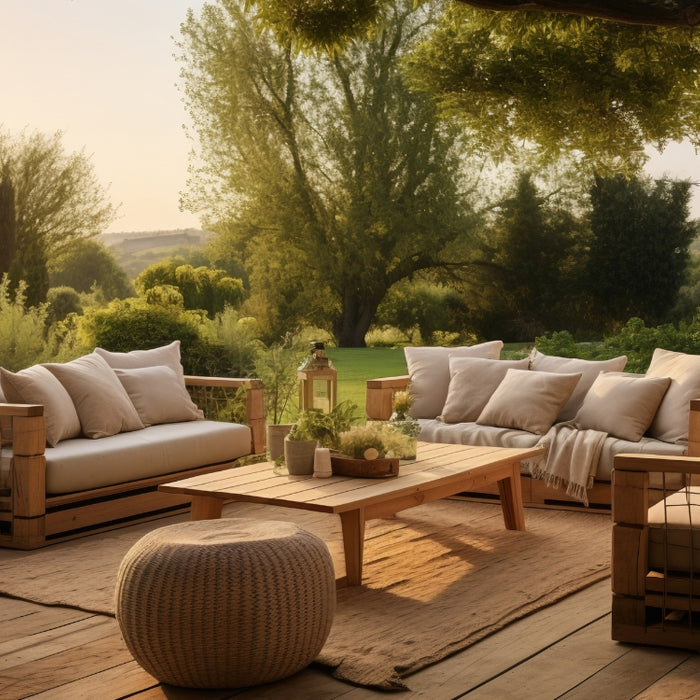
(103, 72)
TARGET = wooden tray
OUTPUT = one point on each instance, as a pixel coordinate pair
(366, 468)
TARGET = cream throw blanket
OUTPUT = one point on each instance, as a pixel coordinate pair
(570, 459)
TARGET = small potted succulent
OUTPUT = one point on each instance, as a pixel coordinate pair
(404, 423)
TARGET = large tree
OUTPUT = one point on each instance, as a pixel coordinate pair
(86, 264)
(326, 22)
(57, 199)
(639, 252)
(559, 84)
(527, 283)
(549, 74)
(324, 174)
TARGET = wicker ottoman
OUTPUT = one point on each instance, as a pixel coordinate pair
(226, 603)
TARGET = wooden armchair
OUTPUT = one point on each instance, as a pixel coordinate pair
(656, 552)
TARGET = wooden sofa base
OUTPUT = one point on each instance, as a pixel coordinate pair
(86, 512)
(537, 494)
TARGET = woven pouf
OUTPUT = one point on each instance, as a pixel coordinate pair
(226, 603)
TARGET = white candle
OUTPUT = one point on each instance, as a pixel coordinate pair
(322, 462)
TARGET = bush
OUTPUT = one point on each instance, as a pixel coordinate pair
(22, 328)
(638, 342)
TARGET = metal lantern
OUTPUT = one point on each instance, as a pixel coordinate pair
(318, 380)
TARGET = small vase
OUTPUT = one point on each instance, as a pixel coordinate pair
(299, 456)
(409, 427)
(275, 439)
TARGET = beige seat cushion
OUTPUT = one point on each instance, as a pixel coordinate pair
(168, 355)
(671, 421)
(101, 402)
(621, 405)
(473, 381)
(674, 532)
(589, 370)
(429, 373)
(528, 400)
(158, 395)
(36, 385)
(80, 464)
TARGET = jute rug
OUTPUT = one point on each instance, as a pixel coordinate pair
(438, 578)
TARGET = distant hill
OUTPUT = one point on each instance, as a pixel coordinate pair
(136, 250)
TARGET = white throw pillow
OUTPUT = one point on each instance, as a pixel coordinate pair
(528, 400)
(589, 370)
(473, 381)
(429, 373)
(168, 355)
(621, 405)
(101, 402)
(671, 421)
(36, 385)
(158, 395)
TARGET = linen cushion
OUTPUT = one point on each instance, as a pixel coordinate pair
(101, 402)
(528, 400)
(670, 423)
(589, 370)
(158, 395)
(473, 381)
(429, 373)
(76, 465)
(36, 385)
(168, 355)
(621, 405)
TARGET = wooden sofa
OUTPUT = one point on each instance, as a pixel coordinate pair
(379, 395)
(29, 518)
(656, 551)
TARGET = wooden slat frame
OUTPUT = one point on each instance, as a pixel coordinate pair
(644, 602)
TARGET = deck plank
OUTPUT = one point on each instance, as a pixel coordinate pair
(563, 650)
(630, 674)
(682, 682)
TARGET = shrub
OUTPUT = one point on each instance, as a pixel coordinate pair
(22, 341)
(638, 341)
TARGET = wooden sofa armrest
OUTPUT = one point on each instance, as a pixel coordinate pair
(645, 463)
(254, 405)
(28, 427)
(380, 393)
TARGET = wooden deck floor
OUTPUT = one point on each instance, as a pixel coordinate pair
(563, 651)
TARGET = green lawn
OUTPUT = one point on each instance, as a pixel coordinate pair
(356, 365)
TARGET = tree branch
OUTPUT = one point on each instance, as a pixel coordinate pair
(681, 13)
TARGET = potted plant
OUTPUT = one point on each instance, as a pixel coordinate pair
(403, 422)
(370, 450)
(314, 428)
(276, 365)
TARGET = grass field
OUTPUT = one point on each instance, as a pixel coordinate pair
(356, 365)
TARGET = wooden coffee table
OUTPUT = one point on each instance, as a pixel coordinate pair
(440, 470)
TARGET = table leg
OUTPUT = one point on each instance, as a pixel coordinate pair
(512, 499)
(353, 524)
(206, 508)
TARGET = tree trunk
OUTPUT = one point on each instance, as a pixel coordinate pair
(355, 320)
(8, 224)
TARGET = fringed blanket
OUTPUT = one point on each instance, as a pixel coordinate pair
(570, 459)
